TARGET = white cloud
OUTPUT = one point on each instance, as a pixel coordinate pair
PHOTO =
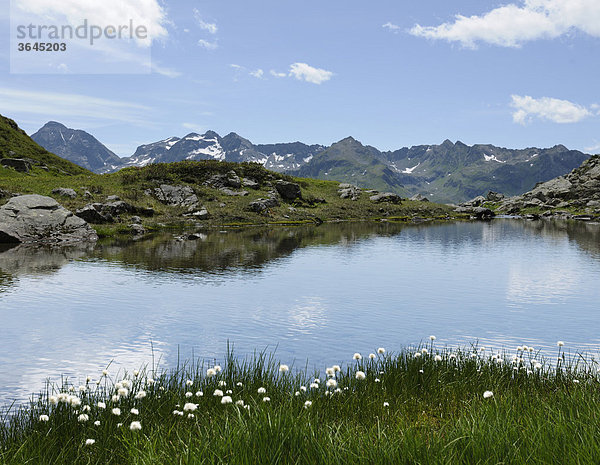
(194, 127)
(210, 27)
(168, 72)
(208, 45)
(547, 109)
(513, 24)
(53, 105)
(304, 72)
(148, 13)
(276, 74)
(593, 148)
(392, 27)
(258, 74)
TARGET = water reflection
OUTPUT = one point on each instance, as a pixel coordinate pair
(317, 294)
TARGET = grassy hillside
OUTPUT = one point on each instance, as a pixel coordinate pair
(320, 199)
(14, 139)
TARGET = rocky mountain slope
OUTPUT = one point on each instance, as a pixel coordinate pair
(76, 146)
(449, 172)
(577, 193)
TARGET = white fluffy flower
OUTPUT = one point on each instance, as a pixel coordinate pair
(44, 418)
(239, 403)
(199, 394)
(238, 384)
(140, 395)
(135, 426)
(188, 394)
(377, 380)
(386, 404)
(488, 394)
(303, 388)
(53, 400)
(135, 411)
(357, 356)
(190, 407)
(82, 388)
(104, 372)
(83, 418)
(178, 412)
(74, 401)
(418, 354)
(432, 338)
(360, 375)
(116, 411)
(307, 404)
(314, 386)
(331, 383)
(226, 400)
(123, 392)
(191, 415)
(211, 372)
(424, 351)
(560, 343)
(297, 393)
(189, 382)
(381, 350)
(372, 356)
(101, 405)
(136, 373)
(337, 368)
(218, 368)
(126, 383)
(222, 383)
(438, 358)
(284, 368)
(218, 393)
(97, 423)
(266, 399)
(90, 442)
(262, 390)
(330, 372)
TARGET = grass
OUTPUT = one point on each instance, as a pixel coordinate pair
(426, 409)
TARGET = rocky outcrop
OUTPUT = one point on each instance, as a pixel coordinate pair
(263, 205)
(18, 164)
(578, 190)
(36, 218)
(231, 180)
(349, 191)
(180, 196)
(100, 213)
(386, 197)
(288, 190)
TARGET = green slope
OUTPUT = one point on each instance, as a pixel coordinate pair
(13, 139)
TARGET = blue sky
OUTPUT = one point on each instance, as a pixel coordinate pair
(392, 74)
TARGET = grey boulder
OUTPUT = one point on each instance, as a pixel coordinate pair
(386, 197)
(36, 218)
(65, 192)
(288, 190)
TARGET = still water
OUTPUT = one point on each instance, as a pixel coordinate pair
(314, 295)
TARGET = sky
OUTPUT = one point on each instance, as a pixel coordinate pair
(516, 73)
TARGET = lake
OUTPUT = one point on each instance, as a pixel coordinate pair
(315, 295)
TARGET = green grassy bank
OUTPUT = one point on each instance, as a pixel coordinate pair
(439, 407)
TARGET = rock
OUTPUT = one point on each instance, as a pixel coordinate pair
(196, 237)
(386, 197)
(476, 202)
(87, 194)
(419, 198)
(231, 179)
(231, 193)
(263, 205)
(119, 207)
(481, 213)
(199, 214)
(18, 164)
(348, 191)
(494, 196)
(180, 196)
(65, 192)
(250, 183)
(92, 213)
(136, 220)
(137, 229)
(113, 198)
(4, 193)
(36, 218)
(288, 190)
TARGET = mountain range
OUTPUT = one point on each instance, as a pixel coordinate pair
(449, 172)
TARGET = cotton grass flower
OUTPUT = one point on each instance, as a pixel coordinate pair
(53, 400)
(336, 368)
(377, 380)
(136, 373)
(101, 405)
(74, 401)
(90, 442)
(386, 404)
(360, 375)
(381, 351)
(560, 343)
(218, 393)
(238, 384)
(229, 391)
(190, 407)
(488, 394)
(211, 372)
(303, 388)
(226, 400)
(123, 392)
(284, 368)
(104, 372)
(266, 399)
(126, 383)
(314, 386)
(222, 383)
(199, 394)
(191, 416)
(44, 418)
(372, 356)
(188, 394)
(307, 404)
(189, 382)
(262, 390)
(178, 413)
(424, 351)
(140, 395)
(82, 388)
(438, 358)
(331, 383)
(418, 354)
(239, 403)
(86, 408)
(116, 411)
(135, 426)
(297, 393)
(115, 398)
(357, 356)
(135, 411)
(330, 372)
(83, 418)
(218, 368)
(432, 338)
